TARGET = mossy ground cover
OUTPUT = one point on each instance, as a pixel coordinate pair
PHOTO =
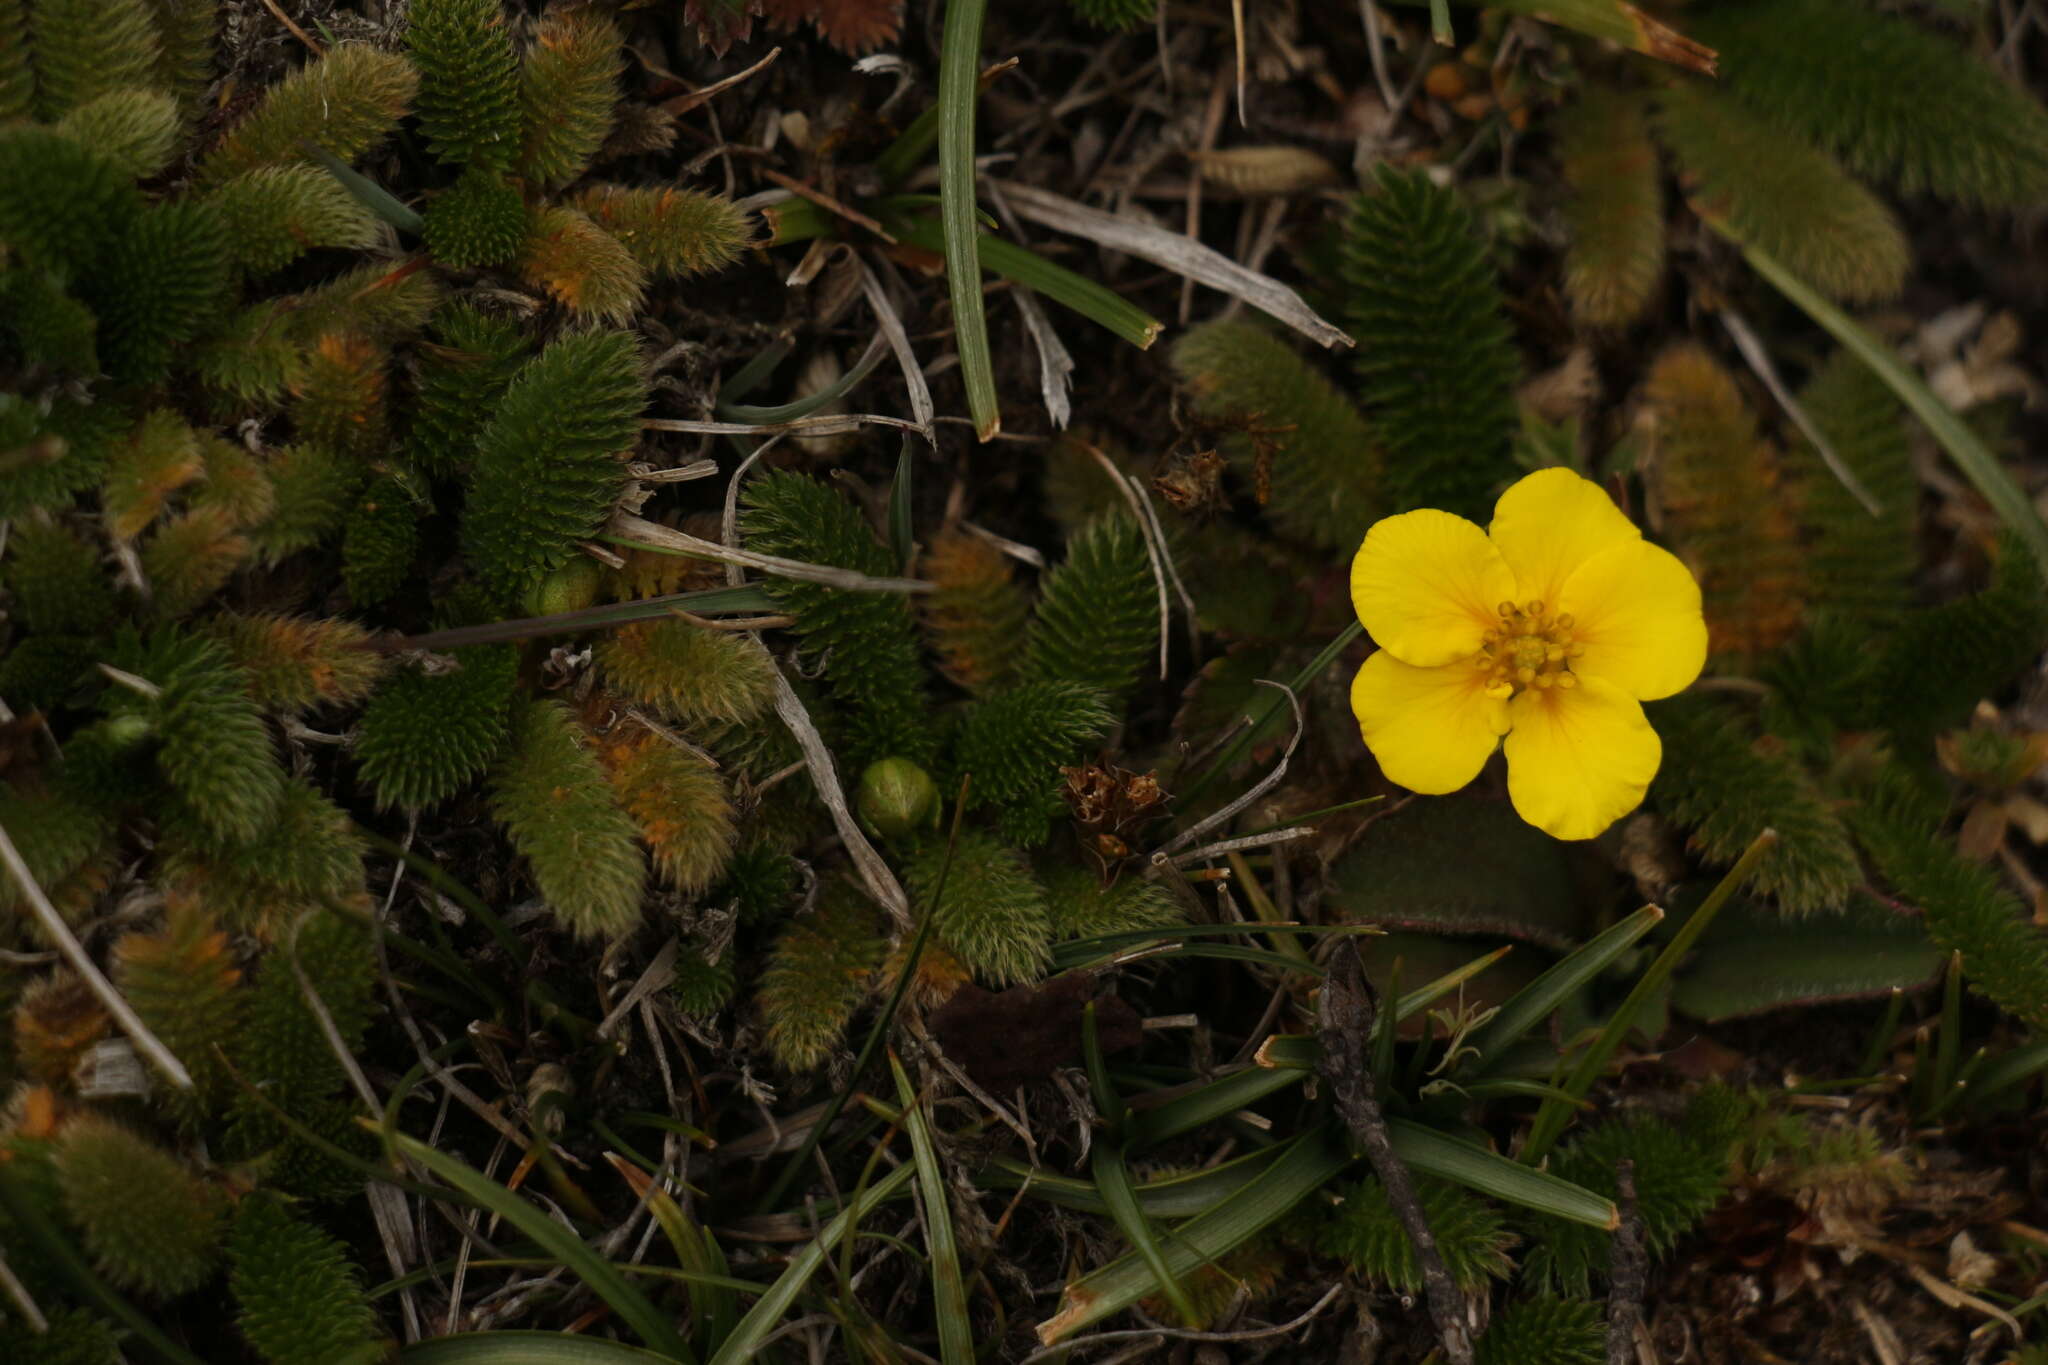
(553, 787)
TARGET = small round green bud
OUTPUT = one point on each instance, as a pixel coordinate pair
(897, 797)
(570, 588)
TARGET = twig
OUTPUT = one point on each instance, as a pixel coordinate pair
(1264, 784)
(1368, 12)
(1184, 1334)
(638, 531)
(18, 1295)
(1154, 549)
(66, 942)
(1241, 844)
(829, 425)
(1627, 1269)
(829, 204)
(293, 29)
(891, 323)
(1345, 1027)
(1752, 348)
(1202, 264)
(684, 103)
(874, 873)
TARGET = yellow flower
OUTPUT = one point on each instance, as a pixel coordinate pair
(1549, 627)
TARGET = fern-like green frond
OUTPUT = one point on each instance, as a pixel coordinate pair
(297, 1295)
(677, 801)
(1725, 504)
(581, 266)
(62, 205)
(191, 557)
(43, 325)
(284, 1047)
(137, 130)
(462, 373)
(480, 220)
(149, 1222)
(568, 92)
(1859, 567)
(994, 916)
(1723, 790)
(73, 1336)
(1885, 94)
(213, 748)
(185, 33)
(469, 81)
(550, 793)
(424, 736)
(341, 397)
(1615, 213)
(672, 233)
(1098, 620)
(183, 982)
(1119, 16)
(1964, 905)
(687, 673)
(1366, 1234)
(384, 301)
(1080, 906)
(1326, 472)
(702, 987)
(345, 103)
(378, 544)
(275, 214)
(1679, 1177)
(1544, 1331)
(1014, 744)
(55, 829)
(1789, 198)
(818, 973)
(236, 485)
(1436, 362)
(17, 73)
(314, 487)
(975, 618)
(56, 580)
(163, 282)
(85, 48)
(549, 463)
(1939, 662)
(296, 662)
(867, 640)
(160, 456)
(308, 853)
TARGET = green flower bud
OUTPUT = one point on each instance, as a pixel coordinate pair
(897, 797)
(570, 588)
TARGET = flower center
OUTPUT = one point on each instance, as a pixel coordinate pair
(1529, 648)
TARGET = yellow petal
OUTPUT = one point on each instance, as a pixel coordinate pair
(1636, 609)
(1432, 729)
(1428, 586)
(1579, 758)
(1550, 523)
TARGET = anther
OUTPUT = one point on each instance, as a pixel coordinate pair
(1507, 609)
(1567, 679)
(1564, 621)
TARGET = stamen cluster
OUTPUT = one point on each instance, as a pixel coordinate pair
(1529, 648)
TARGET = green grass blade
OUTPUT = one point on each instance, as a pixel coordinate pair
(1552, 1117)
(634, 1308)
(713, 1306)
(1434, 1153)
(902, 494)
(1532, 1004)
(1303, 1167)
(366, 191)
(959, 84)
(1179, 1196)
(1266, 705)
(1207, 1103)
(744, 1344)
(1020, 265)
(949, 1289)
(1119, 1196)
(810, 403)
(1977, 462)
(2009, 1072)
(523, 1348)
